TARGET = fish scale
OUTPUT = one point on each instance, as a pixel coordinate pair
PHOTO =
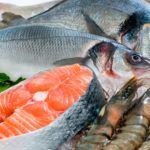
(27, 50)
(47, 44)
(69, 15)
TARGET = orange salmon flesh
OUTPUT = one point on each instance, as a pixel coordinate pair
(38, 101)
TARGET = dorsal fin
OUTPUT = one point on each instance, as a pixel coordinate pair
(59, 3)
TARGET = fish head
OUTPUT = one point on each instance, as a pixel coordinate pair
(114, 59)
(130, 62)
(116, 64)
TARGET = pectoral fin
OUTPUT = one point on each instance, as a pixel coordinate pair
(69, 61)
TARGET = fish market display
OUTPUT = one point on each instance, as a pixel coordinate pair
(38, 101)
(100, 133)
(91, 49)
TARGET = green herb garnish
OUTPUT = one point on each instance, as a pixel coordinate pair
(6, 82)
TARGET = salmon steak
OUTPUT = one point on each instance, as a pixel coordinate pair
(47, 97)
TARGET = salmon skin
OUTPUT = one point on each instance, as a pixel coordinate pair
(30, 119)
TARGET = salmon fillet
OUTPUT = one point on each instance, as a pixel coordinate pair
(38, 101)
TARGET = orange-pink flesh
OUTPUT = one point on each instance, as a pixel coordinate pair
(41, 99)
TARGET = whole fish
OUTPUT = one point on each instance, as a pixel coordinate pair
(27, 50)
(34, 48)
(72, 98)
(117, 19)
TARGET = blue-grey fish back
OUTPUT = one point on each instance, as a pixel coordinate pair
(40, 32)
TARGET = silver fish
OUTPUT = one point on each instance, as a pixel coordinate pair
(27, 50)
(34, 48)
(116, 18)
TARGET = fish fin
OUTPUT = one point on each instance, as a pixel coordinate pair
(69, 61)
(8, 16)
(58, 2)
(92, 26)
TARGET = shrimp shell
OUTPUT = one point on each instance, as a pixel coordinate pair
(99, 135)
(145, 146)
(134, 131)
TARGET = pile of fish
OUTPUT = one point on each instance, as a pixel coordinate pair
(90, 48)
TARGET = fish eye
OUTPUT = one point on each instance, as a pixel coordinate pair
(136, 58)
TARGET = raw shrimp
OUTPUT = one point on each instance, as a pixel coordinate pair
(100, 133)
(134, 131)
